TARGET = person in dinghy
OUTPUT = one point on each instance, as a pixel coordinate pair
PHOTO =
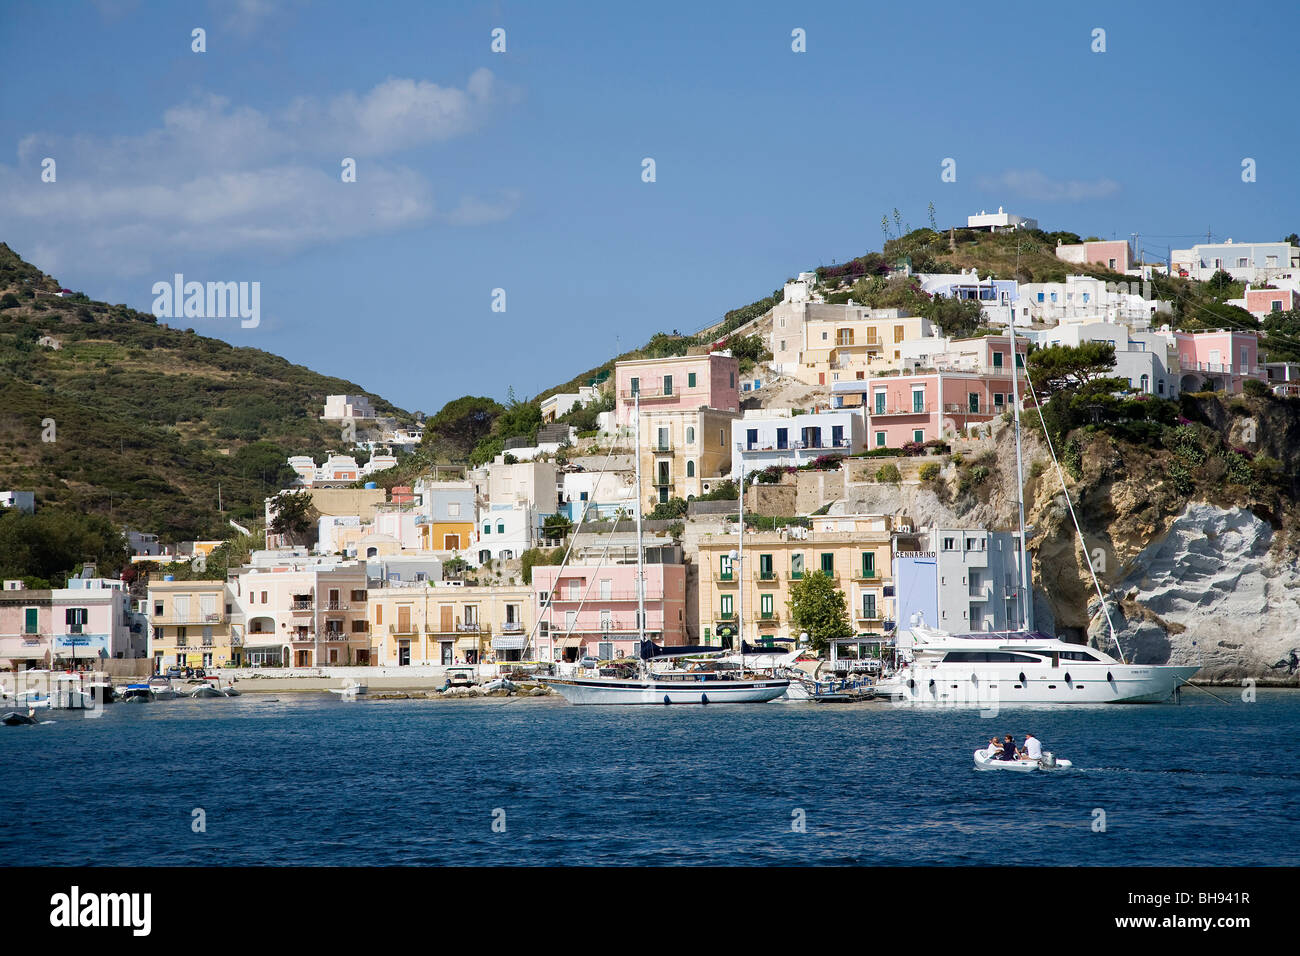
(1033, 749)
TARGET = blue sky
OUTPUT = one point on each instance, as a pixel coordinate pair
(522, 170)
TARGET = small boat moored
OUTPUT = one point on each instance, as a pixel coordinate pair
(15, 719)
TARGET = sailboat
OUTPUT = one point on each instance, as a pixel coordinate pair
(1024, 666)
(667, 686)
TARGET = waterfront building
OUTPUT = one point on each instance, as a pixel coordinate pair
(191, 624)
(302, 611)
(1223, 359)
(1087, 299)
(1148, 360)
(590, 607)
(450, 623)
(24, 501)
(961, 580)
(561, 403)
(447, 515)
(854, 550)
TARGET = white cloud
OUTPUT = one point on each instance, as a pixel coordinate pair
(216, 178)
(1035, 184)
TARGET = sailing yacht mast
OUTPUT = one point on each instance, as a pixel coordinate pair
(740, 566)
(1025, 587)
(640, 548)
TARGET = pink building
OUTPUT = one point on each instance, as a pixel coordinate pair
(591, 610)
(970, 385)
(677, 383)
(1224, 359)
(1114, 255)
(1261, 302)
(80, 625)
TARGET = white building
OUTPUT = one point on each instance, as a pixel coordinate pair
(340, 408)
(777, 437)
(19, 500)
(1244, 261)
(1000, 221)
(506, 532)
(1149, 360)
(1085, 298)
(553, 406)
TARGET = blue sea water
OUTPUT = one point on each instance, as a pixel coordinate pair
(313, 780)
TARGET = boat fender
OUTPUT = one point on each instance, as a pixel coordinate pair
(666, 700)
(1022, 678)
(911, 684)
(1067, 677)
(1110, 677)
(974, 679)
(704, 698)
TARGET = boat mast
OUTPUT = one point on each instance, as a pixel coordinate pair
(640, 548)
(740, 566)
(1025, 587)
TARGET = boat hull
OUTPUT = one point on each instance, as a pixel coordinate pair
(986, 760)
(649, 692)
(955, 686)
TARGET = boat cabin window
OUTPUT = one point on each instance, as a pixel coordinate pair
(1078, 656)
(988, 657)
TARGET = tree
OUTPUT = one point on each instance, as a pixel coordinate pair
(455, 566)
(1220, 281)
(818, 607)
(1074, 368)
(956, 318)
(295, 515)
(669, 510)
(460, 425)
(556, 526)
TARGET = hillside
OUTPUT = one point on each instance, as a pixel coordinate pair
(148, 421)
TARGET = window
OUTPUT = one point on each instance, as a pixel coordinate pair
(487, 527)
(668, 384)
(828, 563)
(358, 627)
(837, 436)
(690, 468)
(868, 564)
(30, 620)
(998, 400)
(783, 345)
(765, 605)
(724, 567)
(690, 434)
(898, 334)
(918, 399)
(997, 359)
(782, 439)
(1110, 263)
(356, 596)
(868, 607)
(733, 379)
(453, 509)
(973, 402)
(1242, 262)
(634, 386)
(725, 606)
(690, 379)
(796, 566)
(844, 337)
(918, 435)
(765, 571)
(880, 439)
(158, 608)
(1275, 305)
(950, 544)
(501, 527)
(880, 402)
(1041, 297)
(75, 617)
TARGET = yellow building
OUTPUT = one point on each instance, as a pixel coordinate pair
(683, 453)
(447, 624)
(854, 550)
(820, 344)
(190, 626)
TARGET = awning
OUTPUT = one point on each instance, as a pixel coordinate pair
(509, 642)
(850, 399)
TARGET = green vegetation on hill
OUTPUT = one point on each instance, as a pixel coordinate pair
(143, 423)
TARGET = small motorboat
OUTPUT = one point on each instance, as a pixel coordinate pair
(136, 694)
(162, 689)
(15, 719)
(987, 759)
(206, 690)
(349, 690)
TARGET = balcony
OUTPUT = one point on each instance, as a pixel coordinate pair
(724, 577)
(726, 616)
(595, 596)
(770, 619)
(766, 578)
(925, 409)
(334, 605)
(335, 636)
(512, 627)
(820, 445)
(661, 448)
(301, 607)
(981, 592)
(871, 575)
(191, 617)
(869, 620)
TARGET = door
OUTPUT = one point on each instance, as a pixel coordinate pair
(444, 623)
(451, 542)
(446, 653)
(181, 608)
(403, 653)
(404, 619)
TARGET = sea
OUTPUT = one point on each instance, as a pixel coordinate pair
(311, 779)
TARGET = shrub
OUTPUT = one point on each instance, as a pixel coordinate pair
(929, 471)
(1253, 387)
(888, 474)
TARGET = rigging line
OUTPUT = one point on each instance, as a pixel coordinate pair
(609, 539)
(1203, 690)
(1075, 518)
(573, 539)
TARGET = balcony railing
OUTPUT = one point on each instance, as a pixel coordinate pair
(770, 618)
(866, 575)
(334, 605)
(596, 596)
(925, 409)
(191, 617)
(726, 616)
(661, 447)
(765, 577)
(512, 627)
(724, 577)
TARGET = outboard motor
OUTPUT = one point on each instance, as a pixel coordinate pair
(1048, 760)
